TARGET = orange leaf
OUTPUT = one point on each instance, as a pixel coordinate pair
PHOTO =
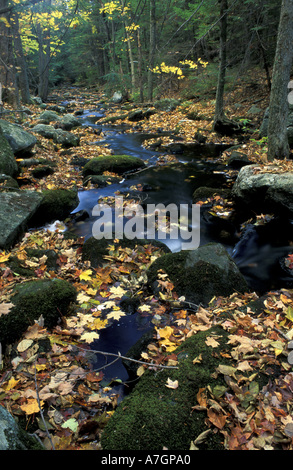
(31, 406)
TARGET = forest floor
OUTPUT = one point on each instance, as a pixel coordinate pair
(58, 395)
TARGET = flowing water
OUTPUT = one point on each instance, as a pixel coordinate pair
(257, 254)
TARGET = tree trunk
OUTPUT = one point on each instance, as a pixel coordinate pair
(219, 109)
(20, 61)
(44, 59)
(278, 146)
(7, 70)
(152, 48)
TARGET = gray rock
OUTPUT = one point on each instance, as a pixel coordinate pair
(44, 130)
(16, 209)
(264, 191)
(20, 140)
(115, 163)
(8, 164)
(66, 139)
(48, 116)
(8, 183)
(199, 274)
(69, 121)
(12, 437)
(117, 97)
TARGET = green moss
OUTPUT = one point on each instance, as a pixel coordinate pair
(94, 250)
(200, 274)
(115, 163)
(33, 299)
(57, 204)
(154, 416)
(20, 267)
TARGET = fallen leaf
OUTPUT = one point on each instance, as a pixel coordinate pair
(210, 341)
(89, 337)
(24, 345)
(171, 383)
(31, 406)
(5, 308)
(115, 314)
(71, 424)
(86, 275)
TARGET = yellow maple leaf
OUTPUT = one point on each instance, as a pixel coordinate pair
(11, 384)
(117, 292)
(89, 337)
(86, 275)
(98, 324)
(31, 406)
(81, 298)
(4, 257)
(116, 314)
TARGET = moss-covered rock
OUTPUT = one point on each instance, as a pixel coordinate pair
(57, 204)
(101, 180)
(94, 250)
(154, 417)
(12, 436)
(8, 164)
(7, 183)
(114, 163)
(47, 298)
(33, 255)
(200, 274)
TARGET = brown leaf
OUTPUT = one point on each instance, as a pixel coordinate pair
(5, 308)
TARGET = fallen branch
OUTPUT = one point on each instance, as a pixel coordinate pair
(119, 356)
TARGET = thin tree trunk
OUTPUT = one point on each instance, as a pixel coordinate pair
(20, 62)
(152, 48)
(219, 108)
(140, 67)
(7, 69)
(278, 146)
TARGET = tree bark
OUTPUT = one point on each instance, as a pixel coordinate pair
(7, 70)
(20, 61)
(152, 48)
(219, 109)
(278, 146)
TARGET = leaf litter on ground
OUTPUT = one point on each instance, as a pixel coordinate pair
(53, 369)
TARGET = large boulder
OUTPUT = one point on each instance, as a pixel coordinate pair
(12, 436)
(69, 121)
(48, 116)
(16, 209)
(199, 274)
(45, 130)
(94, 250)
(66, 139)
(56, 204)
(257, 190)
(154, 417)
(8, 165)
(21, 141)
(49, 299)
(115, 163)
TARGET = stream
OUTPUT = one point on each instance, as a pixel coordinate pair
(257, 253)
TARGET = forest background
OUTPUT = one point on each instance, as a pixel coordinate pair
(141, 47)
